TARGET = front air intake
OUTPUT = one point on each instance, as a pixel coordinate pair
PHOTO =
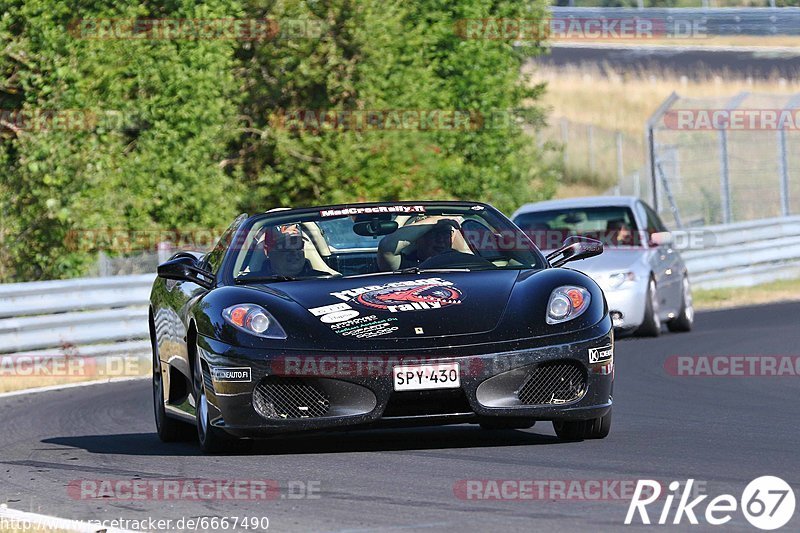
(282, 398)
(552, 383)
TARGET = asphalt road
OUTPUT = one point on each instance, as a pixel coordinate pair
(722, 431)
(689, 62)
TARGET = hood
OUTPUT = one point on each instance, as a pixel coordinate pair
(405, 306)
(434, 311)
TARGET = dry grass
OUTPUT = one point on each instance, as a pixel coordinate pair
(778, 291)
(765, 41)
(572, 190)
(625, 102)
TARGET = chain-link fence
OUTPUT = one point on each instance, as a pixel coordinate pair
(723, 160)
(599, 157)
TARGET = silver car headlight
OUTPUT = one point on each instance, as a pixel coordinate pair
(617, 279)
(254, 319)
(566, 303)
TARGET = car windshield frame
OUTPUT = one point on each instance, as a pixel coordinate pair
(602, 235)
(286, 216)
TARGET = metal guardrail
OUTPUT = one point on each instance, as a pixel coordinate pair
(716, 21)
(93, 316)
(108, 316)
(746, 254)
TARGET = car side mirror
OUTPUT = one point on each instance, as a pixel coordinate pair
(184, 268)
(573, 249)
(661, 238)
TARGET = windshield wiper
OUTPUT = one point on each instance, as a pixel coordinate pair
(418, 270)
(263, 279)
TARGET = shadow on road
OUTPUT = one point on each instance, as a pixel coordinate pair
(435, 438)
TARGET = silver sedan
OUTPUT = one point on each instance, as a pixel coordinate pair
(643, 277)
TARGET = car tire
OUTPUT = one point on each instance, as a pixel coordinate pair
(598, 428)
(569, 429)
(651, 326)
(685, 319)
(168, 429)
(211, 439)
(595, 428)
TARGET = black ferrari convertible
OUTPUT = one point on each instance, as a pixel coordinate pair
(375, 315)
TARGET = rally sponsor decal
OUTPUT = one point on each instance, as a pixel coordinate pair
(366, 327)
(402, 209)
(402, 296)
(231, 374)
(601, 355)
(332, 314)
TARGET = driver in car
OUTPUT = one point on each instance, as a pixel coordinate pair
(438, 240)
(283, 246)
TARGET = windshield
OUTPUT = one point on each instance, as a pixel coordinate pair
(613, 226)
(380, 239)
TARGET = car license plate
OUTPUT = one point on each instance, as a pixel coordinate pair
(423, 377)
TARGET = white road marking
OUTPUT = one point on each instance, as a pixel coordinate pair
(68, 386)
(19, 520)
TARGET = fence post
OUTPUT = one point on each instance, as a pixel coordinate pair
(724, 184)
(591, 149)
(103, 266)
(784, 169)
(620, 165)
(651, 143)
(783, 159)
(724, 176)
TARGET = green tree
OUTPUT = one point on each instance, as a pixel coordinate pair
(373, 55)
(163, 111)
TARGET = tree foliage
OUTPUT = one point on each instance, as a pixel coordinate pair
(183, 133)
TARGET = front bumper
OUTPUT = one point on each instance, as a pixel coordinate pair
(629, 301)
(359, 389)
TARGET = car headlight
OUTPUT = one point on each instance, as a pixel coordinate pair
(254, 319)
(616, 280)
(566, 303)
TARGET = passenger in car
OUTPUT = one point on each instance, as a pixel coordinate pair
(619, 233)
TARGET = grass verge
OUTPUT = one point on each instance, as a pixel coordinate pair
(19, 372)
(776, 291)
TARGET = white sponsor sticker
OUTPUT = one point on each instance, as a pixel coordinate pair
(600, 355)
(319, 311)
(232, 375)
(339, 316)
